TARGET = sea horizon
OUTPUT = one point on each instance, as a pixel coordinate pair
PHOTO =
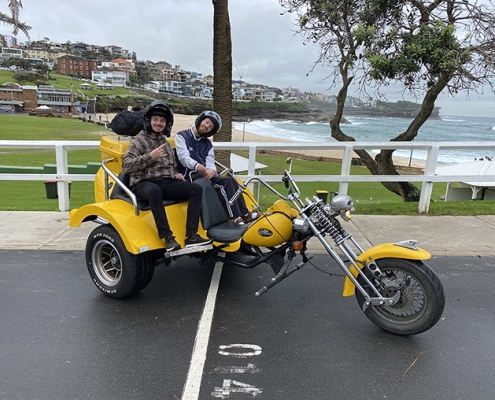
(378, 129)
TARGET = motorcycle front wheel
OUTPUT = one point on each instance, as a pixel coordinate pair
(421, 302)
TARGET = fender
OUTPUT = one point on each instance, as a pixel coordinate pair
(385, 250)
(137, 231)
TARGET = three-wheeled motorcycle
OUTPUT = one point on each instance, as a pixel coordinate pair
(394, 286)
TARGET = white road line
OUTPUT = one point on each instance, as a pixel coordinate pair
(193, 382)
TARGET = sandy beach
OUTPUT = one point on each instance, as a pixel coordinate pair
(183, 121)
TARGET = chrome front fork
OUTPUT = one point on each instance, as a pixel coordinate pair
(342, 243)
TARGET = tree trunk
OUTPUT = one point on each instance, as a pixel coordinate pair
(383, 163)
(222, 75)
(406, 190)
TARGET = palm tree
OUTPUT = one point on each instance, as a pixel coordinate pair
(13, 19)
(222, 74)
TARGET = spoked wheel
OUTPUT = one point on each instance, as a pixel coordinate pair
(421, 302)
(115, 271)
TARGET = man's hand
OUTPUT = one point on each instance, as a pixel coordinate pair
(205, 173)
(210, 173)
(158, 152)
(179, 176)
(201, 170)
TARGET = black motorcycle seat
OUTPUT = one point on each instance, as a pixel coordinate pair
(214, 217)
(227, 232)
(119, 193)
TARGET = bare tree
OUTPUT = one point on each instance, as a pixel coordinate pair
(13, 20)
(222, 74)
(428, 47)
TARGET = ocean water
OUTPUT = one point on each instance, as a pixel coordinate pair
(448, 128)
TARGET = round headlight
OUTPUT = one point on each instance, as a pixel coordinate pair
(341, 202)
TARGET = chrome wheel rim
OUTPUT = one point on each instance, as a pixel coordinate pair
(107, 263)
(412, 302)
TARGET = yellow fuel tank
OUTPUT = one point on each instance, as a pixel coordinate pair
(270, 230)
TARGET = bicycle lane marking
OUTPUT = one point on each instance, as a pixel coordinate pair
(198, 358)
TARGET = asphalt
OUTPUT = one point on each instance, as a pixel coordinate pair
(443, 236)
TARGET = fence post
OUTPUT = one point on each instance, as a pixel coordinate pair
(62, 169)
(252, 165)
(427, 187)
(346, 168)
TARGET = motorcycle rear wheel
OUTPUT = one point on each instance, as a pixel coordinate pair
(116, 272)
(421, 302)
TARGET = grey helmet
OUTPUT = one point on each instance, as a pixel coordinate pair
(213, 117)
(162, 108)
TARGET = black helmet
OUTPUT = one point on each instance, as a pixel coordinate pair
(213, 117)
(162, 108)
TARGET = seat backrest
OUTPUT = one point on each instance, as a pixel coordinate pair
(117, 191)
(212, 211)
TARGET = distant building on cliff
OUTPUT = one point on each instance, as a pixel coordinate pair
(72, 65)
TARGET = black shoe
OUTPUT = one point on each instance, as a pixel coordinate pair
(196, 240)
(171, 244)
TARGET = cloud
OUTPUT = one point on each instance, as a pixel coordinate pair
(265, 49)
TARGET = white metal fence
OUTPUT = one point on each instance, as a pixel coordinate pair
(427, 178)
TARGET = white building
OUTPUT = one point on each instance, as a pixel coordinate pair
(152, 86)
(270, 95)
(8, 52)
(112, 76)
(171, 87)
(205, 93)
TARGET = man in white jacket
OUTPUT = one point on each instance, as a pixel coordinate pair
(195, 153)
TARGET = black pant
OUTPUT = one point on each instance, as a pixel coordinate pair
(155, 190)
(230, 186)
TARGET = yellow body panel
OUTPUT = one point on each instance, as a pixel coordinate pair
(277, 221)
(228, 247)
(269, 230)
(113, 147)
(248, 197)
(137, 231)
(283, 206)
(116, 146)
(385, 250)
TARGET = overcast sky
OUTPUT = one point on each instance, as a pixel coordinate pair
(264, 47)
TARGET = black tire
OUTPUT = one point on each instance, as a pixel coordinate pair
(116, 272)
(421, 302)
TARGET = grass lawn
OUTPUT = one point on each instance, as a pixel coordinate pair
(61, 82)
(31, 195)
(369, 197)
(25, 127)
